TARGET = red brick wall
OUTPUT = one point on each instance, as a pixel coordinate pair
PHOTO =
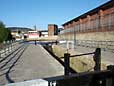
(95, 19)
(52, 29)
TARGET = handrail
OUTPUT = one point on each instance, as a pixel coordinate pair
(103, 72)
(93, 78)
(80, 55)
(96, 58)
(7, 48)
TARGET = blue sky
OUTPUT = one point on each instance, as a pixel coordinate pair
(27, 13)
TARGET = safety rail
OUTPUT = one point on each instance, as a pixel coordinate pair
(93, 78)
(7, 48)
(97, 77)
(96, 58)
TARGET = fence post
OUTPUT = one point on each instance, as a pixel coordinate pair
(111, 80)
(97, 59)
(8, 48)
(35, 42)
(5, 50)
(66, 63)
(0, 53)
(11, 46)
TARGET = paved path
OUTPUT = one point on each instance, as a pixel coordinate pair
(35, 62)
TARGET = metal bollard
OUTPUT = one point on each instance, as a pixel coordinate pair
(35, 42)
(66, 63)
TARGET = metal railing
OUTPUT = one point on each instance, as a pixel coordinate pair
(7, 48)
(96, 58)
(94, 78)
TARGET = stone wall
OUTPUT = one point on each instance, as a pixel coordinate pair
(97, 36)
(103, 40)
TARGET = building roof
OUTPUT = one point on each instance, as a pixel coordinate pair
(18, 28)
(104, 6)
(52, 25)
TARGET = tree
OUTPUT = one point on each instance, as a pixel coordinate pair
(9, 36)
(5, 34)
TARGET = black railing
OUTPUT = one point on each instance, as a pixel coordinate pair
(96, 58)
(97, 77)
(93, 78)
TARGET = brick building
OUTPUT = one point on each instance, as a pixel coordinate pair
(97, 26)
(52, 29)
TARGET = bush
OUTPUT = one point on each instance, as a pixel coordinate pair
(5, 34)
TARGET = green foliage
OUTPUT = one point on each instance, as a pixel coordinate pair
(2, 32)
(5, 34)
(9, 36)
